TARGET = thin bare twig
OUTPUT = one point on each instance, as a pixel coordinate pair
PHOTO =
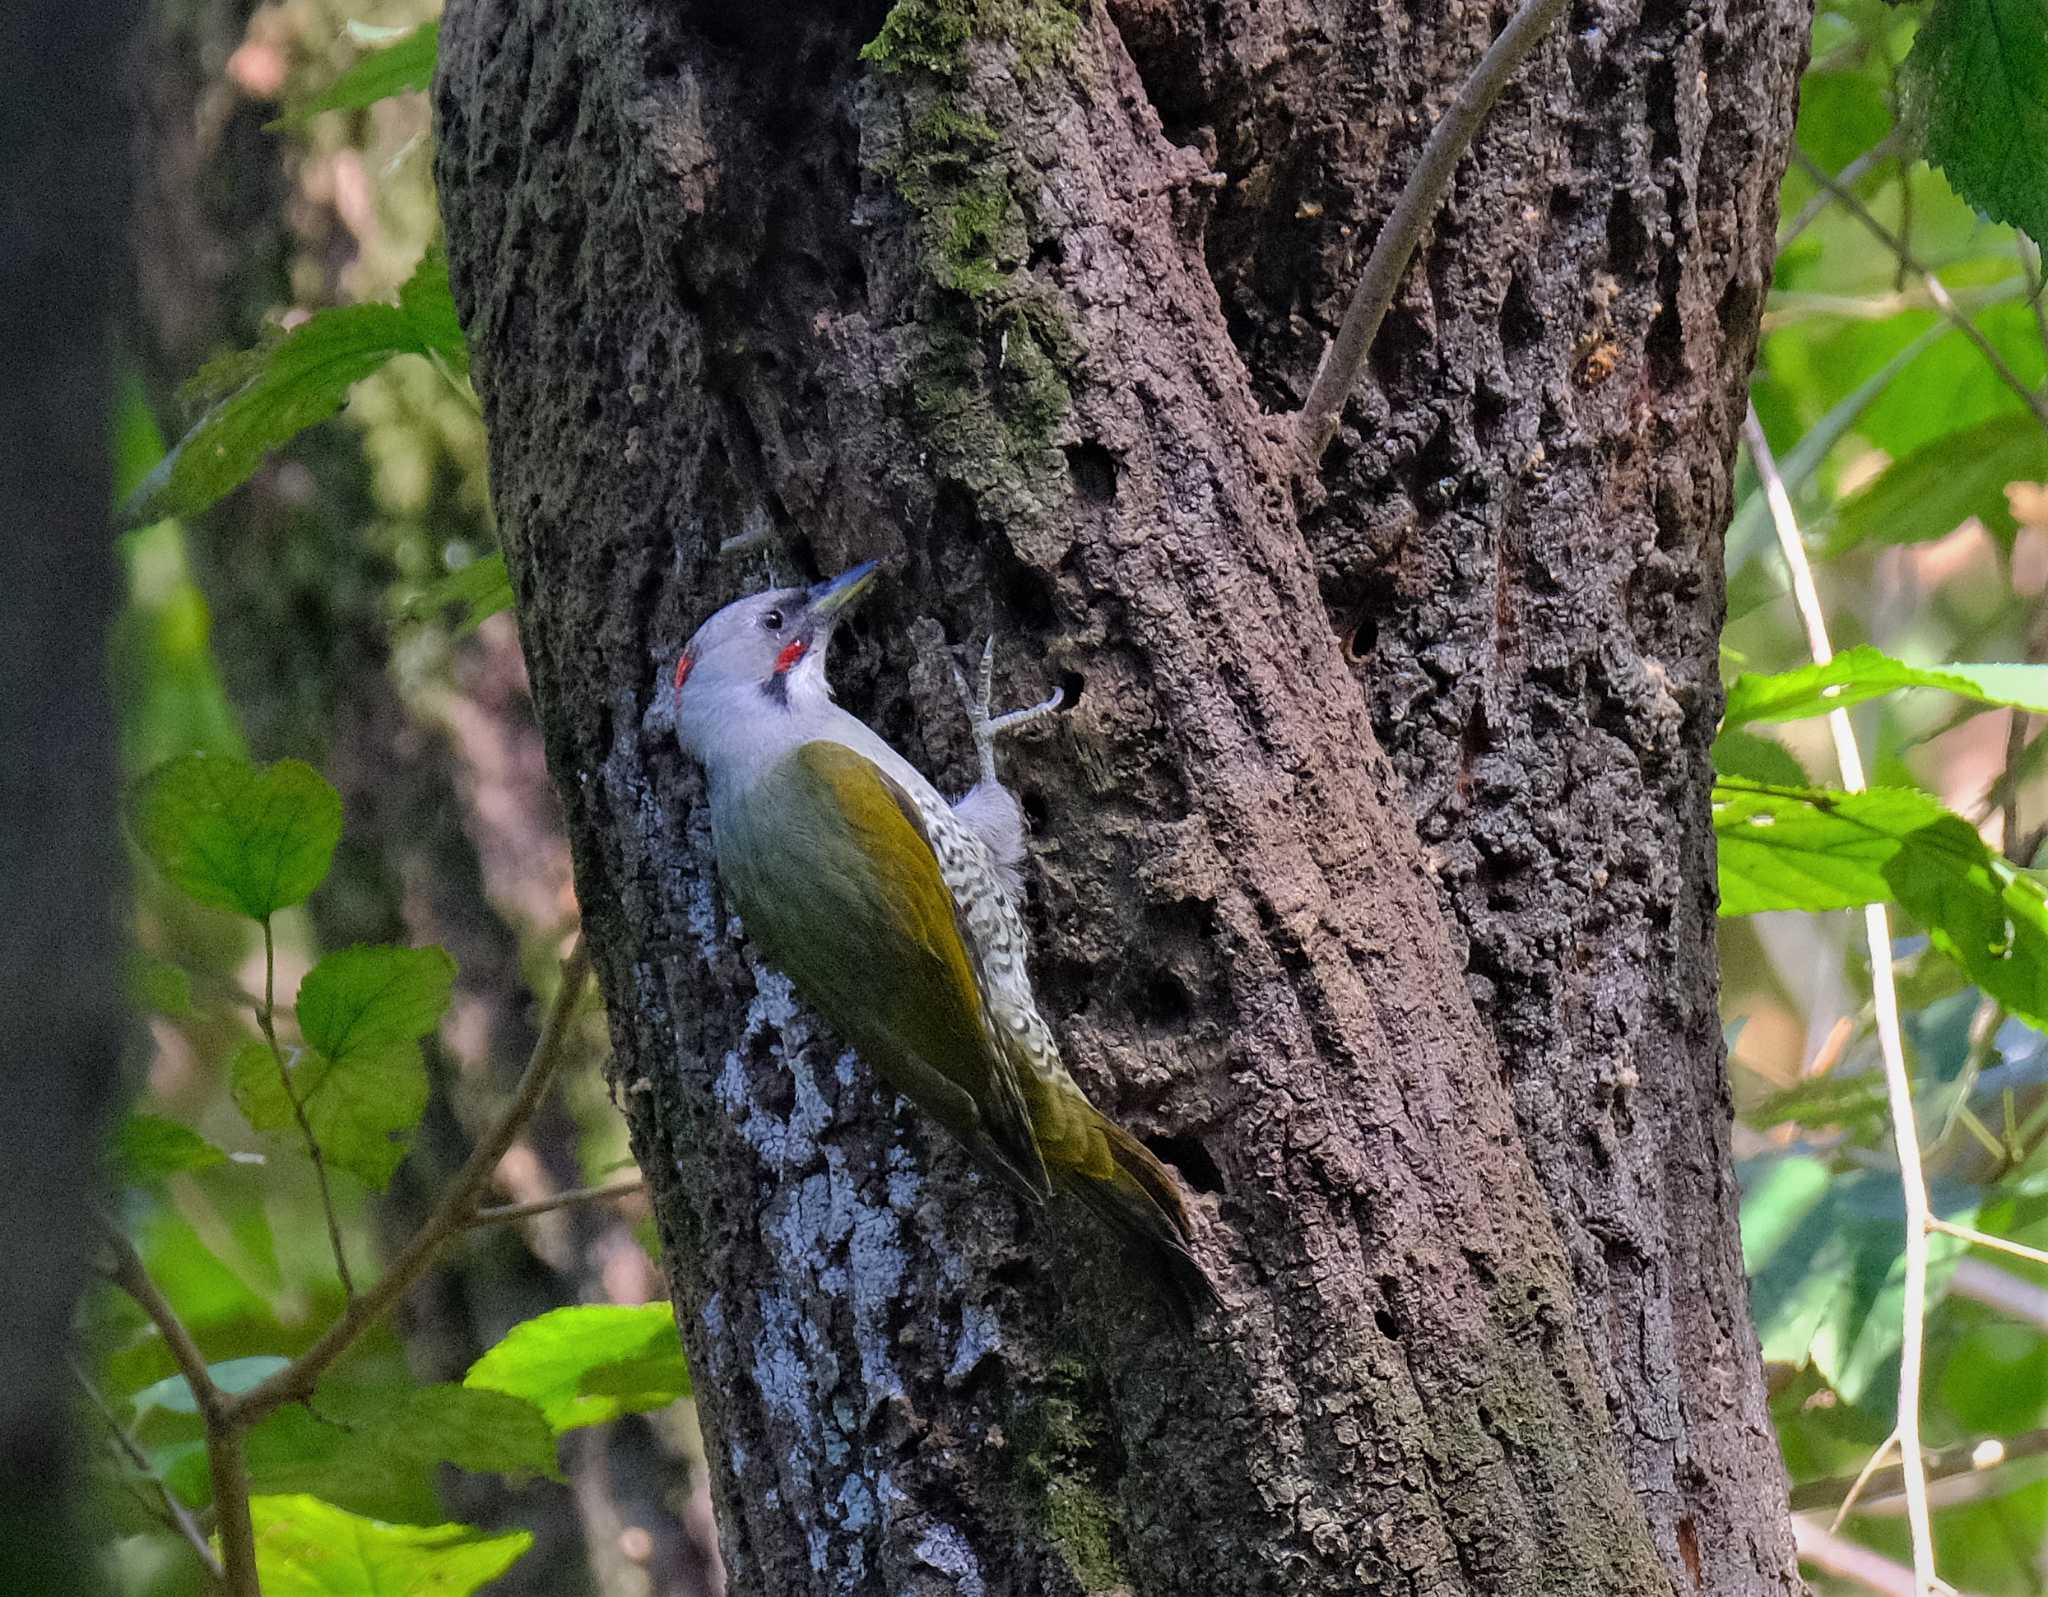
(176, 1515)
(1936, 290)
(1964, 1460)
(1316, 422)
(266, 1022)
(1891, 1043)
(502, 1213)
(297, 1380)
(1848, 177)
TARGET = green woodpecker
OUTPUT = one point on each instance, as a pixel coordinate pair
(896, 914)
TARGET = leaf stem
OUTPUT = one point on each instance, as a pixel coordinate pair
(1316, 422)
(266, 1022)
(1891, 1042)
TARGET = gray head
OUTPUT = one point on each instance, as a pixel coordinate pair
(756, 669)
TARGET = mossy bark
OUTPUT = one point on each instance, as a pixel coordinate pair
(1004, 292)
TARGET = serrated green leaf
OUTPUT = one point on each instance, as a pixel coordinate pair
(1810, 848)
(1868, 673)
(590, 1363)
(246, 838)
(148, 1148)
(1824, 1253)
(403, 66)
(307, 1548)
(372, 995)
(362, 1112)
(482, 589)
(1976, 88)
(1941, 485)
(1819, 849)
(270, 395)
(174, 1393)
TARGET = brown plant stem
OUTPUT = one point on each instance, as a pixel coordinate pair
(1316, 422)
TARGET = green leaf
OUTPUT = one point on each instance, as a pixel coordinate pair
(1941, 485)
(160, 987)
(270, 395)
(1784, 848)
(174, 1393)
(402, 67)
(1976, 87)
(1759, 759)
(1868, 673)
(235, 836)
(362, 1115)
(1809, 848)
(365, 998)
(369, 1448)
(482, 589)
(307, 1548)
(590, 1363)
(1825, 1257)
(148, 1148)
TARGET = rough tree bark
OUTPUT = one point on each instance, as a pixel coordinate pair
(1008, 297)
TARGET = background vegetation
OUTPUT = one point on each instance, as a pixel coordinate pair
(334, 946)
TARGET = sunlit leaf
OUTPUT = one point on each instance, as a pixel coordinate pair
(268, 396)
(1817, 849)
(235, 836)
(1867, 673)
(307, 1548)
(590, 1363)
(403, 65)
(1976, 87)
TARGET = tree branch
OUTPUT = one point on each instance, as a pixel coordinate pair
(266, 1022)
(1936, 290)
(296, 1381)
(502, 1213)
(1316, 422)
(225, 1459)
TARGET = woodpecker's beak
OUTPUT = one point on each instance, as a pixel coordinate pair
(828, 599)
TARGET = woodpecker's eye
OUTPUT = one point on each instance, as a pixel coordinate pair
(772, 621)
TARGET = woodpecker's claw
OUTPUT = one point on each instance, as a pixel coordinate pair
(984, 727)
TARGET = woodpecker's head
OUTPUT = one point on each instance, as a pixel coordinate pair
(760, 661)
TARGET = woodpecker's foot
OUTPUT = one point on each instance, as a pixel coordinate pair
(986, 728)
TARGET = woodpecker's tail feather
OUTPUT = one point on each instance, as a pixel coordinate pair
(1142, 1201)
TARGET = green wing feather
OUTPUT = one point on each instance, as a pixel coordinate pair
(830, 868)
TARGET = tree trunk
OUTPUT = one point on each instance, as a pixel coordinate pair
(1009, 300)
(63, 128)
